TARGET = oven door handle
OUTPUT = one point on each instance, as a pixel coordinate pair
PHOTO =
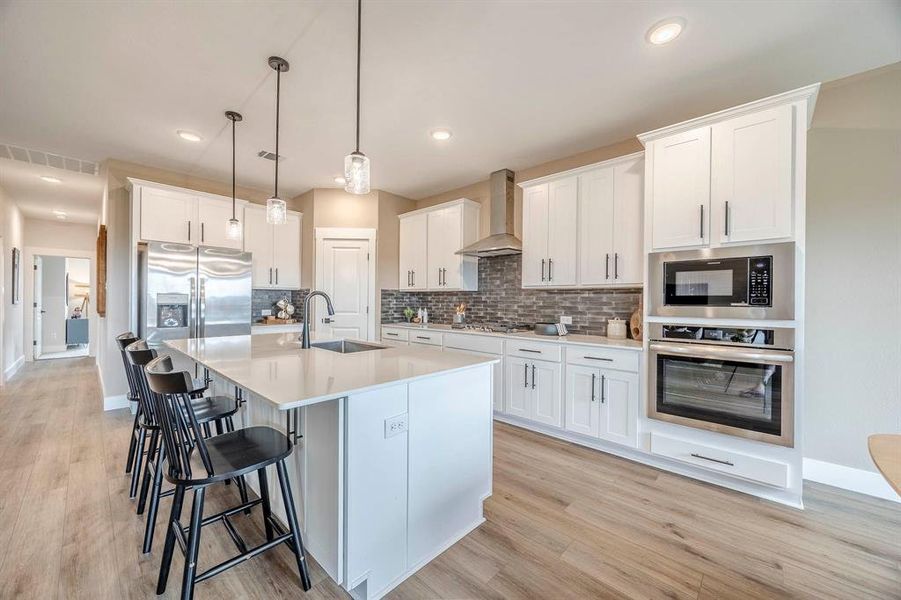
(723, 353)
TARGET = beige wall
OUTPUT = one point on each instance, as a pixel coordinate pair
(390, 205)
(853, 306)
(13, 331)
(43, 233)
(304, 204)
(480, 191)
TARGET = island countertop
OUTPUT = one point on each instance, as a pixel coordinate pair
(275, 367)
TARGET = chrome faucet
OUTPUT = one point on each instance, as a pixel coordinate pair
(306, 314)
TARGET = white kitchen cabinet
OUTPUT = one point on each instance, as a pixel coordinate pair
(412, 259)
(275, 248)
(602, 403)
(751, 178)
(534, 391)
(213, 215)
(610, 224)
(168, 216)
(583, 411)
(680, 189)
(429, 240)
(550, 239)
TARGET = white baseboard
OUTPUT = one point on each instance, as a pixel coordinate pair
(53, 348)
(115, 402)
(13, 368)
(849, 478)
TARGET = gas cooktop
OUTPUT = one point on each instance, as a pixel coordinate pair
(494, 327)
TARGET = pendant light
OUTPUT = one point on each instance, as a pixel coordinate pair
(356, 164)
(276, 209)
(233, 227)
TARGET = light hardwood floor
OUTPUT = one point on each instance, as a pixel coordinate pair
(564, 522)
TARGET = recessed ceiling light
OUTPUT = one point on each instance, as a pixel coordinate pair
(441, 134)
(340, 180)
(51, 179)
(666, 30)
(189, 135)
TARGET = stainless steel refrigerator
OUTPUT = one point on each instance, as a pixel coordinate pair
(188, 292)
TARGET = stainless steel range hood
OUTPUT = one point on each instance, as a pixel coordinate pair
(501, 242)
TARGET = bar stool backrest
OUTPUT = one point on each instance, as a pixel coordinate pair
(124, 340)
(138, 354)
(181, 433)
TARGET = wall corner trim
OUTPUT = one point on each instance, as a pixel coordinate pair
(849, 478)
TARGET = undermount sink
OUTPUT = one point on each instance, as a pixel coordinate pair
(346, 346)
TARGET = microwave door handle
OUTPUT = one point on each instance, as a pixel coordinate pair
(723, 352)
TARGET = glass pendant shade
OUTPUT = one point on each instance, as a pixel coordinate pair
(233, 230)
(356, 173)
(276, 211)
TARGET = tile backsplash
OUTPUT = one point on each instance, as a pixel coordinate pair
(266, 299)
(501, 299)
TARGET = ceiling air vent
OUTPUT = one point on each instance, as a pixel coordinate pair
(46, 159)
(270, 155)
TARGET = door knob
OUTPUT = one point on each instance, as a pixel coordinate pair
(327, 320)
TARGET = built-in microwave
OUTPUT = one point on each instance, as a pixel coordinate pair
(748, 282)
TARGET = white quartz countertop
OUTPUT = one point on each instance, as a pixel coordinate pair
(572, 338)
(273, 366)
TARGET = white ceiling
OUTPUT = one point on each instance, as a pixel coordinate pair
(79, 195)
(518, 82)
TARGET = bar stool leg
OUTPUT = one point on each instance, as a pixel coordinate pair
(187, 581)
(148, 476)
(267, 508)
(166, 562)
(139, 459)
(299, 553)
(132, 445)
(150, 524)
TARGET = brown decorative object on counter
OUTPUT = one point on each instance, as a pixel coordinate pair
(636, 327)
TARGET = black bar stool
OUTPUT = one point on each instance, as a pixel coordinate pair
(195, 464)
(124, 339)
(217, 409)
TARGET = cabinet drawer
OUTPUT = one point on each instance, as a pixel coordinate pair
(429, 338)
(534, 350)
(606, 358)
(744, 466)
(395, 333)
(474, 343)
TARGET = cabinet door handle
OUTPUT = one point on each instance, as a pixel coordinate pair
(727, 217)
(716, 460)
(276, 275)
(702, 221)
(413, 277)
(532, 351)
(616, 265)
(525, 375)
(593, 379)
(423, 337)
(189, 231)
(533, 376)
(542, 269)
(603, 385)
(392, 334)
(598, 358)
(550, 263)
(270, 275)
(202, 232)
(607, 266)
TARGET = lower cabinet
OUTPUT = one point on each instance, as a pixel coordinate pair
(534, 390)
(602, 403)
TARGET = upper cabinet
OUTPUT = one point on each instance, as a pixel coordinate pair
(429, 240)
(583, 228)
(169, 214)
(275, 248)
(734, 177)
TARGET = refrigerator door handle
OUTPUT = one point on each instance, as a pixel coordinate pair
(192, 321)
(201, 312)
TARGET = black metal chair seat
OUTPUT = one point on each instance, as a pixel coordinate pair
(211, 408)
(236, 453)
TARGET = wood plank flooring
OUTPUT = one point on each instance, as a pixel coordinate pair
(564, 522)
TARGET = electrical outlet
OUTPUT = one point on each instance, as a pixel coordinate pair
(395, 425)
(266, 312)
(566, 320)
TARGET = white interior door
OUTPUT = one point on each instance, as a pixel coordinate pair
(38, 330)
(345, 278)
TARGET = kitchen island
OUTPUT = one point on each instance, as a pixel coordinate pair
(393, 445)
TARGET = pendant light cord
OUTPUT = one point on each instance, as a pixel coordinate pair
(233, 170)
(359, 36)
(278, 92)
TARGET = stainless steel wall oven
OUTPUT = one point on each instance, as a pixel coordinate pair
(733, 380)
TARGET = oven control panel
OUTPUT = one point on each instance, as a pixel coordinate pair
(760, 275)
